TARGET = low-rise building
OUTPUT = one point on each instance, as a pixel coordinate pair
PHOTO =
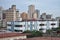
(21, 26)
(12, 36)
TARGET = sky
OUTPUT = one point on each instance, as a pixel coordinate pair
(49, 6)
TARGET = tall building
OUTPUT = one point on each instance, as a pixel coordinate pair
(18, 15)
(31, 10)
(1, 16)
(48, 17)
(38, 13)
(35, 15)
(45, 16)
(12, 13)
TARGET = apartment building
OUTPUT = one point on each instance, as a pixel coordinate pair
(33, 13)
(12, 13)
(31, 10)
(2, 17)
(45, 16)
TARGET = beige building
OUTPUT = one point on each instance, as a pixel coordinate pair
(24, 16)
(31, 10)
(38, 13)
(35, 16)
(12, 13)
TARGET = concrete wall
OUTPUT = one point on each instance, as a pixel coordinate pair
(33, 25)
(13, 38)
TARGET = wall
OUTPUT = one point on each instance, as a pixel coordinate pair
(33, 25)
(13, 38)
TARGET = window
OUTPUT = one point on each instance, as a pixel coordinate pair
(18, 25)
(41, 29)
(52, 23)
(41, 24)
(4, 15)
(18, 30)
(9, 24)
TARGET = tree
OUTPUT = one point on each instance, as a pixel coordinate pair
(27, 31)
(36, 33)
(33, 33)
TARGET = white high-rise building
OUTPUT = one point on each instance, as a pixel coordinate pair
(31, 10)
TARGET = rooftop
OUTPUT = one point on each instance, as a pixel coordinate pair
(14, 34)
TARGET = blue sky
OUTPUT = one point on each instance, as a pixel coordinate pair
(48, 6)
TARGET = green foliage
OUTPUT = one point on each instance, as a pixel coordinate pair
(58, 28)
(34, 33)
(49, 31)
(27, 31)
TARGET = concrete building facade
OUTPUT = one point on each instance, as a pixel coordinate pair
(21, 26)
(38, 13)
(45, 16)
(1, 16)
(31, 10)
(12, 13)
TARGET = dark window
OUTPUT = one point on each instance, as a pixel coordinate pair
(41, 24)
(9, 24)
(52, 23)
(18, 25)
(41, 29)
(4, 16)
(18, 30)
(59, 24)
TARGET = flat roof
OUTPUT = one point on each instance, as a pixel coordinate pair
(31, 20)
(11, 34)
